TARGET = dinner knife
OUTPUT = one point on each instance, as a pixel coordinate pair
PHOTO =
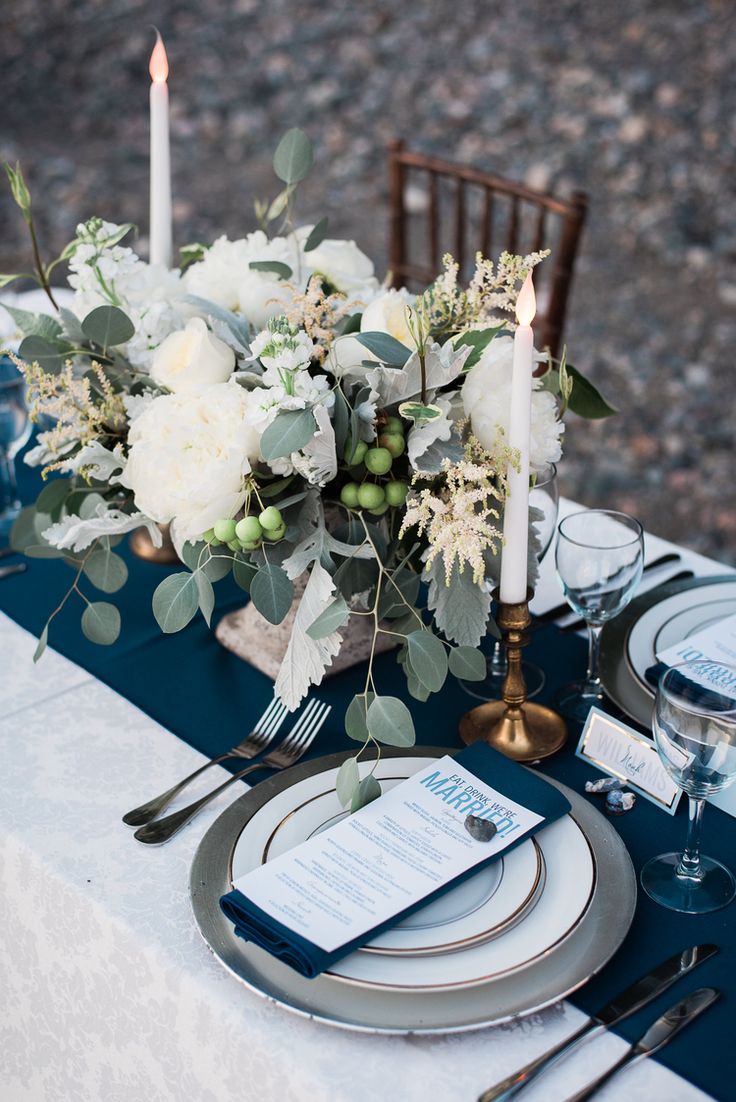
(18, 568)
(627, 1002)
(576, 625)
(656, 1037)
(561, 610)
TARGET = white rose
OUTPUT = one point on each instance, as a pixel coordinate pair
(189, 455)
(486, 395)
(387, 314)
(189, 361)
(262, 296)
(344, 265)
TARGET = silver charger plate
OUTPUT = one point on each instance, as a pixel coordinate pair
(556, 974)
(623, 683)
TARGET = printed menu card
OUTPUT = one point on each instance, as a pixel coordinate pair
(339, 889)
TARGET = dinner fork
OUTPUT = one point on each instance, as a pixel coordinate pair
(258, 740)
(296, 743)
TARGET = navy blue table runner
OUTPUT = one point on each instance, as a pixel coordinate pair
(207, 696)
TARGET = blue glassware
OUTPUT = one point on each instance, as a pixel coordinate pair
(15, 428)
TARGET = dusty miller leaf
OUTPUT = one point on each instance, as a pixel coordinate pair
(460, 609)
(306, 659)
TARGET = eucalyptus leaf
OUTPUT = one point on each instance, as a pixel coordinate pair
(279, 204)
(72, 326)
(317, 235)
(53, 496)
(108, 326)
(335, 616)
(368, 790)
(23, 532)
(243, 572)
(294, 156)
(107, 571)
(41, 645)
(415, 688)
(272, 593)
(347, 780)
(586, 400)
(101, 623)
(391, 603)
(90, 504)
(42, 551)
(206, 595)
(272, 489)
(289, 432)
(175, 601)
(198, 557)
(428, 659)
(341, 420)
(283, 271)
(385, 347)
(39, 325)
(389, 721)
(355, 717)
(51, 357)
(235, 324)
(468, 664)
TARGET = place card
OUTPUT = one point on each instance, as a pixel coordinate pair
(620, 751)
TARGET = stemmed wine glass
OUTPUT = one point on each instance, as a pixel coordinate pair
(544, 496)
(694, 728)
(599, 558)
(15, 428)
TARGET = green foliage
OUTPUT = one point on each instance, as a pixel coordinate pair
(367, 791)
(389, 721)
(385, 347)
(468, 664)
(175, 601)
(244, 572)
(283, 271)
(272, 592)
(108, 326)
(106, 570)
(585, 399)
(335, 616)
(101, 623)
(478, 339)
(421, 414)
(347, 780)
(428, 659)
(287, 433)
(355, 718)
(294, 157)
(50, 355)
(317, 235)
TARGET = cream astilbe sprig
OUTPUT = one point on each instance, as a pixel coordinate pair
(80, 415)
(318, 312)
(491, 293)
(458, 514)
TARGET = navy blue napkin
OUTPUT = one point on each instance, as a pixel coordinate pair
(507, 777)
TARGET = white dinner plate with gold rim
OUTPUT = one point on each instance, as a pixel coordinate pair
(481, 908)
(471, 954)
(557, 973)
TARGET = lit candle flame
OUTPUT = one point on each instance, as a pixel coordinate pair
(526, 303)
(158, 66)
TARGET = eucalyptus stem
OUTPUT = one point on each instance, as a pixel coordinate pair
(43, 278)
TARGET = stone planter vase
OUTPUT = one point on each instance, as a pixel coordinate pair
(263, 645)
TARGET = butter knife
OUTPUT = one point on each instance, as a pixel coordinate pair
(18, 568)
(627, 1002)
(656, 1037)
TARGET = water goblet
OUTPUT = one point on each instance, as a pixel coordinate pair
(694, 728)
(544, 496)
(599, 558)
(15, 428)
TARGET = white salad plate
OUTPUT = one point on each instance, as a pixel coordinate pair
(582, 847)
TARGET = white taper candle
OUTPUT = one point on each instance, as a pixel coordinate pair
(513, 583)
(160, 249)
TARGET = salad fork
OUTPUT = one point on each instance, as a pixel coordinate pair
(296, 743)
(259, 739)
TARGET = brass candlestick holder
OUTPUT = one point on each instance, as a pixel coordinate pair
(519, 728)
(143, 547)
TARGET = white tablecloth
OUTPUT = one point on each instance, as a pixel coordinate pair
(107, 990)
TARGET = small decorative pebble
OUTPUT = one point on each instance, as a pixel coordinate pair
(603, 785)
(617, 802)
(480, 829)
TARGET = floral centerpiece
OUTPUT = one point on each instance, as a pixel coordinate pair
(297, 424)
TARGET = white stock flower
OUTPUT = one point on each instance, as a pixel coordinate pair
(189, 361)
(486, 397)
(189, 455)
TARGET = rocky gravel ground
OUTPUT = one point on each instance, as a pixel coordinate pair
(633, 101)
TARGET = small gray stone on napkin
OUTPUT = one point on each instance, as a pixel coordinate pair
(480, 829)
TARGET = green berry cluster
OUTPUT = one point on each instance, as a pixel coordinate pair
(374, 496)
(248, 533)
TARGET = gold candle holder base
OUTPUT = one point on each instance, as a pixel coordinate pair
(518, 728)
(143, 547)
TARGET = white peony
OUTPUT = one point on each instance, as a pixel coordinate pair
(189, 361)
(189, 455)
(486, 395)
(345, 266)
(224, 276)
